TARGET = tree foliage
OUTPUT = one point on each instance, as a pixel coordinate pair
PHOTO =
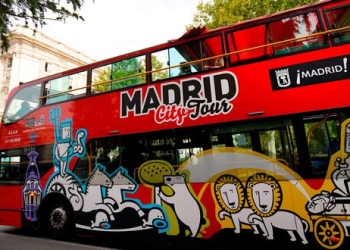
(35, 12)
(217, 13)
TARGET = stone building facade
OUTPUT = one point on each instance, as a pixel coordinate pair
(32, 56)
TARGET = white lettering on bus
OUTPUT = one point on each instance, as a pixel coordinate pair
(12, 140)
(173, 102)
(167, 113)
(322, 71)
(31, 130)
(13, 132)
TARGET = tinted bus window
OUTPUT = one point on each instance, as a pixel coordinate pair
(291, 28)
(9, 168)
(339, 18)
(323, 139)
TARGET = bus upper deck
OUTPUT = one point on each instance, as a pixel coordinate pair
(261, 56)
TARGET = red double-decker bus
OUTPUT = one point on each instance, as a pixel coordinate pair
(242, 132)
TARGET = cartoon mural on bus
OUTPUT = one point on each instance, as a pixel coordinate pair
(186, 207)
(265, 197)
(230, 194)
(32, 190)
(261, 205)
(330, 210)
(172, 191)
(65, 148)
(101, 198)
(254, 193)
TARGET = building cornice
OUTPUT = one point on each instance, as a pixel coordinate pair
(22, 35)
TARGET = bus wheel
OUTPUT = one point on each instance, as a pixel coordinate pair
(329, 233)
(59, 221)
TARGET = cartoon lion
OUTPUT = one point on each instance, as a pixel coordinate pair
(264, 194)
(265, 198)
(230, 195)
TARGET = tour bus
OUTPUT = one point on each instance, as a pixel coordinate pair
(240, 133)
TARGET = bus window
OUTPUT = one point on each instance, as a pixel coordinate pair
(15, 163)
(174, 64)
(65, 88)
(9, 168)
(339, 18)
(209, 49)
(240, 140)
(188, 58)
(246, 39)
(118, 75)
(274, 139)
(23, 102)
(106, 152)
(84, 167)
(160, 60)
(277, 144)
(289, 29)
(323, 139)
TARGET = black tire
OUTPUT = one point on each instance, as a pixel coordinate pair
(58, 221)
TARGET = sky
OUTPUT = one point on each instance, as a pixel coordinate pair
(115, 27)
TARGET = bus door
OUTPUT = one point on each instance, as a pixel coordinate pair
(10, 190)
(323, 140)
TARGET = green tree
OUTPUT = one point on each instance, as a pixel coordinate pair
(36, 11)
(217, 13)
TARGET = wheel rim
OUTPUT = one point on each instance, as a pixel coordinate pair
(58, 218)
(329, 233)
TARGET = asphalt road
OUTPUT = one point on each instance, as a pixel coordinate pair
(16, 239)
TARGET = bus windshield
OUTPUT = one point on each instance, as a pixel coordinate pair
(23, 102)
